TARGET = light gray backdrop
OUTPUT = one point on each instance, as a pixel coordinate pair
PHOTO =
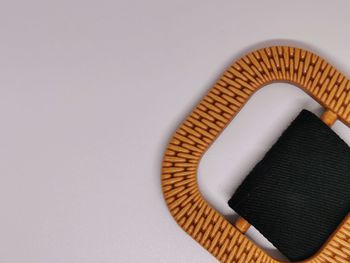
(90, 92)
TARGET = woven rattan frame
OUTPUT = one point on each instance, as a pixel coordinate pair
(209, 118)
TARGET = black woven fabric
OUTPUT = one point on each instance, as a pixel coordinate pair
(300, 192)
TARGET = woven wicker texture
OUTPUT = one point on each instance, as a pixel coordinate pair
(208, 119)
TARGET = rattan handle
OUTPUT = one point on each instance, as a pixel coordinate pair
(213, 113)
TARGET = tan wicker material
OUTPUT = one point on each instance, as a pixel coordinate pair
(209, 118)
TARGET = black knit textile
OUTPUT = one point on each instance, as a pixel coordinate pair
(300, 192)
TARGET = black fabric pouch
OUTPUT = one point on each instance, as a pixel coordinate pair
(300, 192)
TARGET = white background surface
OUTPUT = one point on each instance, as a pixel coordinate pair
(90, 92)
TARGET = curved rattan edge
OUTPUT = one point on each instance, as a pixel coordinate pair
(210, 117)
